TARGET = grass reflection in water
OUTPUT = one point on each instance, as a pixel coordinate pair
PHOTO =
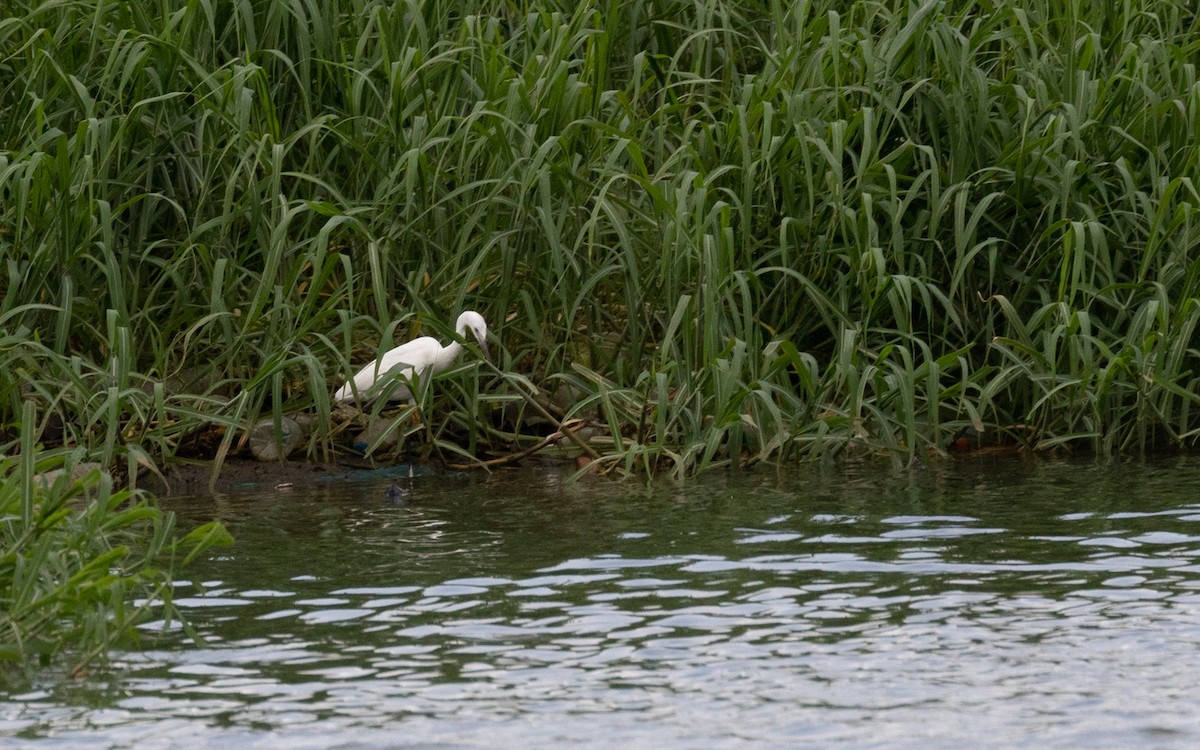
(979, 604)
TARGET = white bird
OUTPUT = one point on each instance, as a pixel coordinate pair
(386, 377)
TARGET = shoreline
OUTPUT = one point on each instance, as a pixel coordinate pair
(194, 478)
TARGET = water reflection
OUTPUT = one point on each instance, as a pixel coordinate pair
(976, 604)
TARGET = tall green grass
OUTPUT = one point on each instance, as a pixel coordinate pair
(736, 231)
(82, 564)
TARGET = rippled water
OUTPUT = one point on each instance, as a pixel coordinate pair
(985, 604)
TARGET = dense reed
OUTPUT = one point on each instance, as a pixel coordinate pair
(731, 231)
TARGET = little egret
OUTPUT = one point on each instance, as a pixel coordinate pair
(385, 377)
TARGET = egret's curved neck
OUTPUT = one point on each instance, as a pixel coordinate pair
(447, 355)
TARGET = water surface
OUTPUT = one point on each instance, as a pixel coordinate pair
(981, 604)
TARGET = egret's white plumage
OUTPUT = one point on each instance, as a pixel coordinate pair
(385, 377)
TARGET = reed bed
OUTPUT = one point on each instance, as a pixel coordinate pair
(727, 231)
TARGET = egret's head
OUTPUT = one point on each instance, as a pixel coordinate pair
(473, 322)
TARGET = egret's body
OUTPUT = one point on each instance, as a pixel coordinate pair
(385, 377)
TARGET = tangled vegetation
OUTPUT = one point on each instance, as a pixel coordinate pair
(726, 230)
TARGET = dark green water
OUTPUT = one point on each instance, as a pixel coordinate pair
(980, 604)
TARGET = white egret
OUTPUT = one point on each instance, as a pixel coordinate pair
(385, 377)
